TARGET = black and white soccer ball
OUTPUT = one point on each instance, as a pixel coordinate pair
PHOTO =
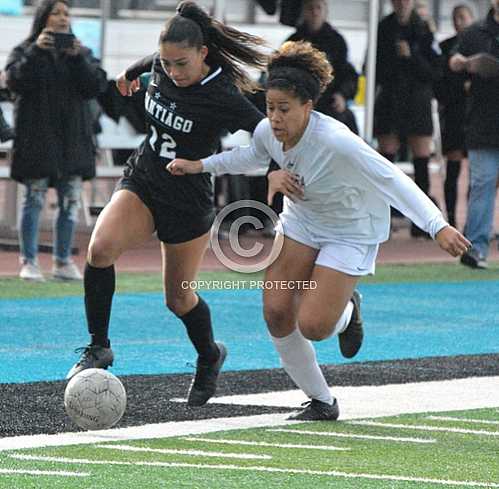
(95, 399)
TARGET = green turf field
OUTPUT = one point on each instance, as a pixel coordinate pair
(11, 288)
(457, 449)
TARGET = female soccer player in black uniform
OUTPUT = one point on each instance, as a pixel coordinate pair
(193, 95)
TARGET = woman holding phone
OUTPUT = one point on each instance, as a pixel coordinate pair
(53, 77)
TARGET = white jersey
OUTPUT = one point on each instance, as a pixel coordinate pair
(349, 187)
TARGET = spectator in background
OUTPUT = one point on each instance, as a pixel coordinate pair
(316, 30)
(6, 132)
(423, 10)
(408, 63)
(452, 94)
(478, 55)
(54, 145)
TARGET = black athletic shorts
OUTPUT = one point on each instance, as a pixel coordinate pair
(408, 115)
(173, 226)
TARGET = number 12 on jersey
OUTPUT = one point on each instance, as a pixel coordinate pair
(167, 144)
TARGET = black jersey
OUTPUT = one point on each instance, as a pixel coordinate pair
(187, 122)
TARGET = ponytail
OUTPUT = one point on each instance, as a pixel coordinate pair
(227, 47)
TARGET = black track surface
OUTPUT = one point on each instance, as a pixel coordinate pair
(37, 408)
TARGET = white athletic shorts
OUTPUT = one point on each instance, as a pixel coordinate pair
(350, 258)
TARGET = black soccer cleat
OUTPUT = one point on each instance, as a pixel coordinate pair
(351, 339)
(204, 384)
(92, 356)
(317, 411)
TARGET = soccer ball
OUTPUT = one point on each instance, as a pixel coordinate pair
(95, 399)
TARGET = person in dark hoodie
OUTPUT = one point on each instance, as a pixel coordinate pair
(408, 62)
(478, 55)
(54, 147)
(316, 30)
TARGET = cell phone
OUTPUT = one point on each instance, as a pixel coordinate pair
(63, 40)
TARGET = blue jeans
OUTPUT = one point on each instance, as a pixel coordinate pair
(68, 199)
(484, 169)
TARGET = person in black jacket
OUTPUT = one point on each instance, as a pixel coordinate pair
(478, 56)
(452, 94)
(316, 30)
(407, 64)
(54, 144)
(194, 94)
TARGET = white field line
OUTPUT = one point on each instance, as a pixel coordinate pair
(355, 403)
(264, 444)
(354, 435)
(462, 420)
(61, 473)
(194, 453)
(331, 473)
(446, 429)
(150, 431)
(392, 399)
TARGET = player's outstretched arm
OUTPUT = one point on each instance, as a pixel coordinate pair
(452, 241)
(183, 167)
(126, 87)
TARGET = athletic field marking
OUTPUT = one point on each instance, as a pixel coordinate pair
(332, 473)
(463, 420)
(352, 435)
(424, 427)
(264, 444)
(61, 473)
(392, 399)
(194, 453)
(150, 431)
(356, 403)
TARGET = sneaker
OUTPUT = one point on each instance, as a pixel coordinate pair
(473, 259)
(204, 384)
(317, 411)
(92, 356)
(31, 271)
(351, 339)
(68, 271)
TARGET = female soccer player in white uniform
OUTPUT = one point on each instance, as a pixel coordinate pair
(338, 192)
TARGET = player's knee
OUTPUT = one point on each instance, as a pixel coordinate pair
(277, 318)
(102, 252)
(314, 329)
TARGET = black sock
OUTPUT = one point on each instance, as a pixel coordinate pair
(198, 324)
(99, 289)
(421, 175)
(450, 189)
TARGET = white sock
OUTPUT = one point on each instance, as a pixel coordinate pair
(342, 323)
(300, 363)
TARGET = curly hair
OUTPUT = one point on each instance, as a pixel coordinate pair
(301, 68)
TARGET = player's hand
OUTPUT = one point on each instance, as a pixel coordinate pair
(127, 87)
(285, 182)
(452, 241)
(46, 39)
(180, 167)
